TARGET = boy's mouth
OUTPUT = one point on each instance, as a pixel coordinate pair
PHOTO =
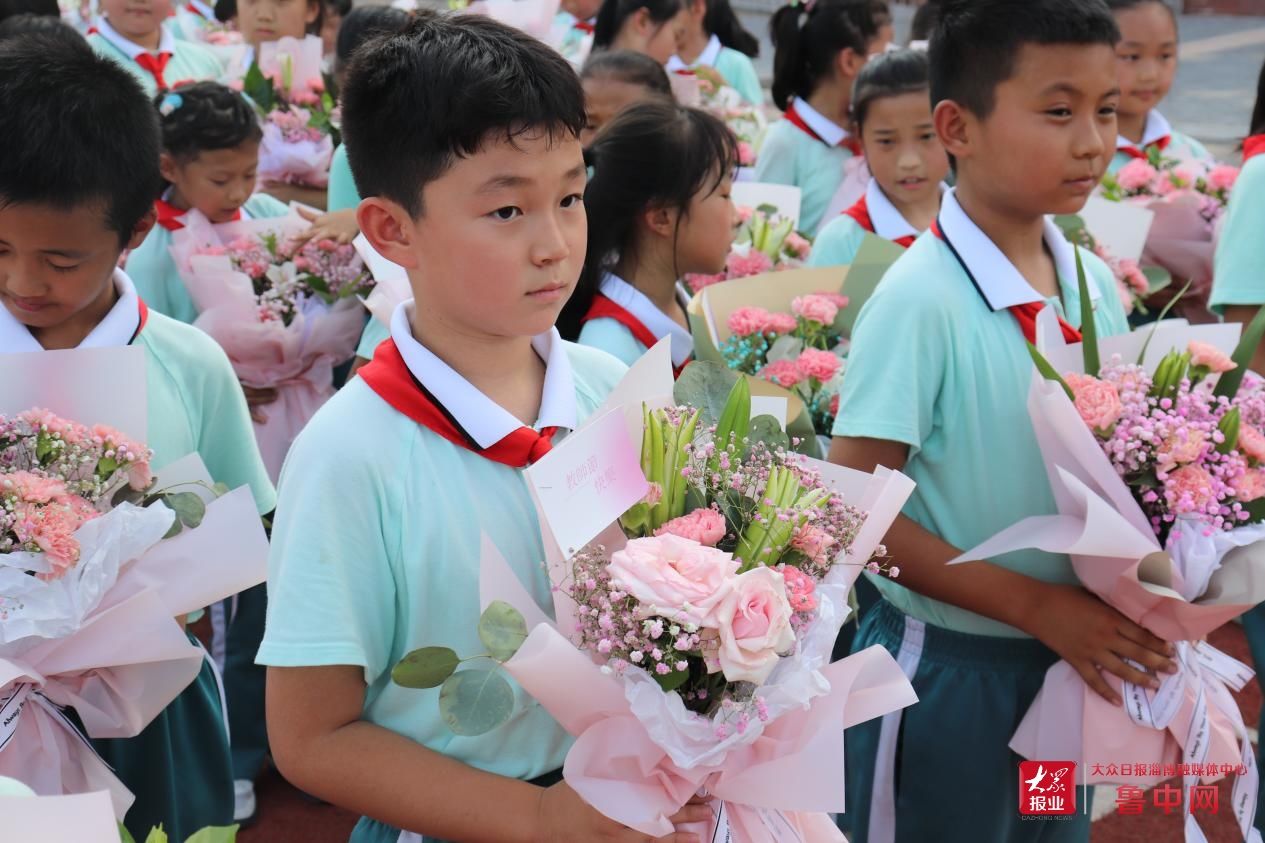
(1083, 184)
(550, 293)
(911, 182)
(28, 305)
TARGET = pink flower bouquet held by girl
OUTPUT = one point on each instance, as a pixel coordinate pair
(299, 115)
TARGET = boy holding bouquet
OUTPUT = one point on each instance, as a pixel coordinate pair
(937, 386)
(77, 182)
(463, 135)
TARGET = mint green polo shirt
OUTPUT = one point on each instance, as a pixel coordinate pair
(188, 60)
(941, 366)
(1238, 275)
(790, 155)
(342, 187)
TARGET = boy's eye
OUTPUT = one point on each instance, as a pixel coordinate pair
(507, 213)
(927, 136)
(1060, 111)
(1108, 110)
(59, 268)
(573, 200)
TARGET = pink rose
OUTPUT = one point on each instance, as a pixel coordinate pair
(675, 577)
(1097, 401)
(1222, 177)
(748, 321)
(1251, 486)
(814, 308)
(1165, 187)
(1189, 489)
(755, 626)
(1209, 356)
(1251, 443)
(800, 588)
(784, 373)
(705, 526)
(813, 542)
(780, 323)
(1136, 175)
(819, 365)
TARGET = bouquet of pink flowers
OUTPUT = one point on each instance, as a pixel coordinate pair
(285, 314)
(1133, 283)
(699, 627)
(746, 121)
(764, 242)
(97, 559)
(1159, 489)
(802, 351)
(1188, 199)
(300, 117)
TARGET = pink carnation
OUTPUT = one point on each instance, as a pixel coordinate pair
(1209, 356)
(784, 373)
(796, 245)
(1251, 443)
(780, 323)
(1189, 489)
(748, 321)
(316, 83)
(1098, 402)
(813, 542)
(745, 213)
(838, 300)
(34, 488)
(819, 365)
(1184, 446)
(800, 588)
(746, 155)
(754, 262)
(1187, 174)
(834, 405)
(1250, 486)
(705, 526)
(815, 308)
(1222, 177)
(654, 494)
(1136, 175)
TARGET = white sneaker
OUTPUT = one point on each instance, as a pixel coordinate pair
(243, 800)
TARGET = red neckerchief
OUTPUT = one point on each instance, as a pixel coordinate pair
(144, 317)
(155, 65)
(389, 376)
(195, 10)
(1253, 146)
(172, 218)
(860, 211)
(1025, 314)
(849, 142)
(1133, 152)
(584, 26)
(605, 308)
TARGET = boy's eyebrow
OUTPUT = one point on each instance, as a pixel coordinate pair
(576, 171)
(503, 182)
(73, 254)
(1069, 88)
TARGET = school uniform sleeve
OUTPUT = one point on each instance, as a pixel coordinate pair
(342, 187)
(331, 589)
(837, 244)
(613, 338)
(1237, 277)
(158, 282)
(1186, 148)
(739, 71)
(897, 362)
(775, 161)
(373, 336)
(262, 206)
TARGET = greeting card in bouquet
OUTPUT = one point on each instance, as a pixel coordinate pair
(783, 198)
(534, 17)
(1121, 228)
(108, 385)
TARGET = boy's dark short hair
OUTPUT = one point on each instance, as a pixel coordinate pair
(10, 8)
(27, 23)
(78, 129)
(976, 42)
(440, 89)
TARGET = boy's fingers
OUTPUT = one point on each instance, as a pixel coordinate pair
(1144, 637)
(692, 814)
(1095, 681)
(681, 837)
(1147, 658)
(309, 215)
(1118, 667)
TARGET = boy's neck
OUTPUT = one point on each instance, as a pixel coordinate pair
(1020, 237)
(832, 101)
(693, 43)
(73, 331)
(505, 369)
(1131, 126)
(656, 280)
(176, 200)
(919, 214)
(150, 41)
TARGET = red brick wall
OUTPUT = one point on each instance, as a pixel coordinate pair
(1225, 7)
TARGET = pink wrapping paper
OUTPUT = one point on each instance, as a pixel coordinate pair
(1181, 241)
(297, 359)
(303, 162)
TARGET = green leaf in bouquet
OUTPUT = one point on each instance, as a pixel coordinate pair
(671, 681)
(1075, 230)
(1255, 511)
(502, 630)
(768, 430)
(705, 386)
(1089, 330)
(735, 417)
(1163, 314)
(694, 499)
(215, 834)
(427, 667)
(874, 257)
(190, 509)
(1229, 383)
(674, 502)
(474, 702)
(125, 836)
(1048, 371)
(1229, 427)
(766, 209)
(219, 489)
(156, 835)
(257, 87)
(736, 507)
(636, 520)
(128, 495)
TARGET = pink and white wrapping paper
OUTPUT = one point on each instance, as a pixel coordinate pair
(303, 162)
(640, 754)
(1181, 241)
(297, 360)
(1180, 593)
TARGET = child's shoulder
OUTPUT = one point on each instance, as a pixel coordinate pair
(192, 50)
(595, 371)
(356, 432)
(1186, 146)
(837, 242)
(184, 349)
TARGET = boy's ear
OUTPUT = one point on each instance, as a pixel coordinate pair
(167, 166)
(389, 229)
(142, 227)
(953, 127)
(313, 12)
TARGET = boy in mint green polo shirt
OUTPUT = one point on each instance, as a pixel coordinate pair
(75, 191)
(464, 138)
(131, 34)
(937, 385)
(1238, 285)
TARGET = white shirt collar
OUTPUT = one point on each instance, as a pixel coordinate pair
(166, 43)
(482, 418)
(656, 321)
(826, 129)
(203, 9)
(707, 58)
(1001, 284)
(889, 223)
(1156, 127)
(116, 329)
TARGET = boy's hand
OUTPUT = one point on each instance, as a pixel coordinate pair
(564, 817)
(258, 397)
(339, 226)
(1091, 637)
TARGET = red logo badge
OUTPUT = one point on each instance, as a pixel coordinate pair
(1047, 788)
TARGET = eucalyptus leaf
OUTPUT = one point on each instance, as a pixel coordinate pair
(767, 430)
(189, 508)
(215, 834)
(705, 386)
(474, 702)
(785, 347)
(502, 630)
(127, 495)
(426, 667)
